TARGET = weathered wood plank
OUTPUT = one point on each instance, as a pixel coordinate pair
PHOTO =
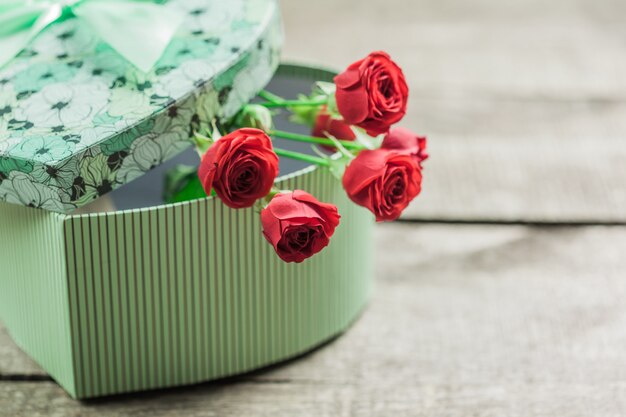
(409, 399)
(466, 320)
(523, 101)
(478, 49)
(506, 177)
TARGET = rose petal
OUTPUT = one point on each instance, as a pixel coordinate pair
(347, 79)
(366, 167)
(352, 104)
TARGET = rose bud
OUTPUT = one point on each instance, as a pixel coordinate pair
(255, 115)
(298, 225)
(405, 141)
(372, 93)
(326, 126)
(383, 181)
(240, 166)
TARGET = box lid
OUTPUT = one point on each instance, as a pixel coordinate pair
(77, 120)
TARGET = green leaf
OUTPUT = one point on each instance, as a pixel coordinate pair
(326, 88)
(203, 143)
(182, 184)
(193, 190)
(366, 140)
(344, 152)
(337, 163)
(332, 108)
(338, 166)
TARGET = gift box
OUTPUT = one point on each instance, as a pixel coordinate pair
(108, 288)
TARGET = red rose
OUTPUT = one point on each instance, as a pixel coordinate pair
(405, 141)
(240, 166)
(372, 93)
(326, 126)
(383, 181)
(297, 225)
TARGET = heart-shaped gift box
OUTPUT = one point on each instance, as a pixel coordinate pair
(131, 293)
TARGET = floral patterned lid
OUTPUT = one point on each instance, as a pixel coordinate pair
(77, 120)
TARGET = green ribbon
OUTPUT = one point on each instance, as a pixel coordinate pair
(139, 30)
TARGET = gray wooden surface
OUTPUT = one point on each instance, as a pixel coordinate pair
(467, 320)
(474, 315)
(523, 101)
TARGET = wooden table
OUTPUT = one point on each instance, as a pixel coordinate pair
(503, 291)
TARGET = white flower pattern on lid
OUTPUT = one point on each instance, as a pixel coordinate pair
(64, 106)
(76, 120)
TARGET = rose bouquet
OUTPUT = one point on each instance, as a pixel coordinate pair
(352, 133)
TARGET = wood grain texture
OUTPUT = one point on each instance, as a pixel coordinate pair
(567, 49)
(466, 320)
(523, 102)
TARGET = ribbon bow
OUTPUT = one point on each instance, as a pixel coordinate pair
(139, 30)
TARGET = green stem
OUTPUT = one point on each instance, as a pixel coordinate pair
(273, 98)
(312, 139)
(302, 157)
(293, 103)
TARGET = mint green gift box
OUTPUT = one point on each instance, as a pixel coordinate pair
(156, 295)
